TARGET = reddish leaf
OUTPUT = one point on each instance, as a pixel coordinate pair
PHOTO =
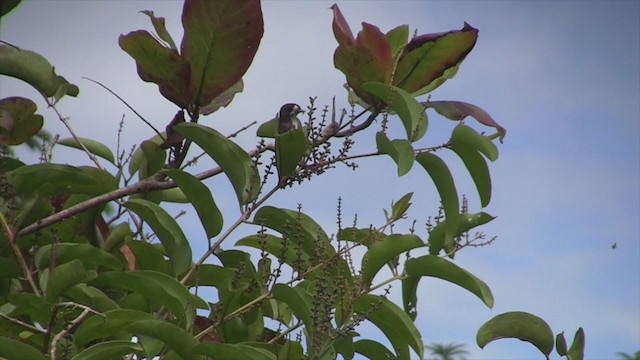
(359, 66)
(427, 57)
(159, 65)
(220, 40)
(372, 39)
(341, 29)
(458, 110)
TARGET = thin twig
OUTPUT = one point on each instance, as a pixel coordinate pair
(16, 321)
(127, 105)
(11, 237)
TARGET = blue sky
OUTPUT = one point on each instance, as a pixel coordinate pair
(563, 77)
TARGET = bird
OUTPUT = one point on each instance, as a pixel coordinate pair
(288, 117)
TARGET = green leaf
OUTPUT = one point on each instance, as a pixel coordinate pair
(576, 351)
(160, 28)
(65, 276)
(92, 297)
(174, 337)
(465, 135)
(114, 323)
(400, 151)
(200, 197)
(149, 257)
(174, 195)
(401, 207)
(168, 231)
(372, 350)
(446, 75)
(268, 129)
(410, 296)
(299, 300)
(138, 155)
(110, 349)
(210, 275)
(55, 179)
(410, 111)
(366, 236)
(384, 251)
(458, 110)
(518, 325)
(397, 39)
(153, 160)
(478, 169)
(438, 238)
(94, 147)
(439, 172)
(220, 40)
(15, 350)
(427, 57)
(117, 237)
(233, 351)
(290, 149)
(66, 252)
(160, 65)
(7, 5)
(36, 307)
(234, 161)
(561, 344)
(393, 322)
(158, 287)
(429, 265)
(35, 70)
(18, 121)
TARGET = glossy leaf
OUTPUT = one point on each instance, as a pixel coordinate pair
(393, 322)
(372, 350)
(434, 266)
(157, 287)
(110, 349)
(18, 120)
(477, 167)
(397, 39)
(458, 110)
(114, 323)
(86, 253)
(174, 337)
(210, 275)
(220, 40)
(401, 206)
(175, 195)
(200, 197)
(465, 135)
(34, 69)
(94, 147)
(268, 129)
(441, 176)
(92, 297)
(576, 351)
(65, 276)
(561, 344)
(160, 28)
(399, 150)
(518, 325)
(290, 149)
(149, 257)
(233, 351)
(160, 65)
(438, 238)
(233, 160)
(11, 349)
(117, 237)
(168, 231)
(138, 155)
(299, 300)
(384, 251)
(427, 57)
(410, 111)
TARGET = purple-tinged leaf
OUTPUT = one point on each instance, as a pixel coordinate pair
(18, 121)
(220, 40)
(160, 65)
(223, 99)
(341, 29)
(427, 57)
(458, 110)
